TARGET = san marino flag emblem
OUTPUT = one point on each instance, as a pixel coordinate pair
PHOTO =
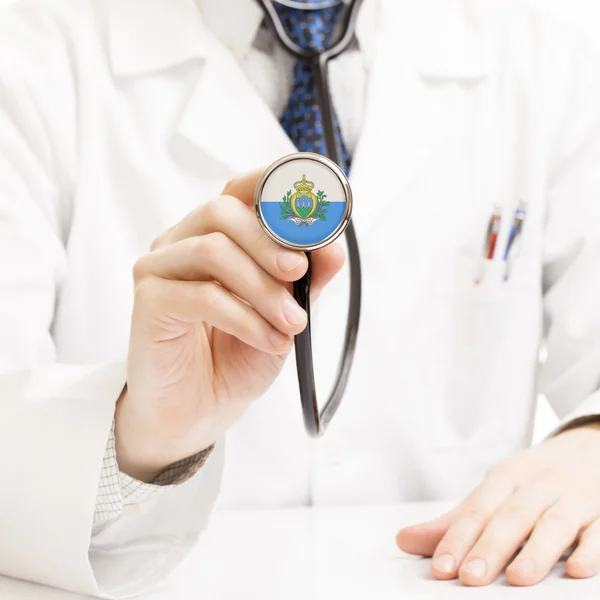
(304, 207)
(304, 202)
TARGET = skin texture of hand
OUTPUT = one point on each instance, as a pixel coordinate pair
(547, 498)
(212, 325)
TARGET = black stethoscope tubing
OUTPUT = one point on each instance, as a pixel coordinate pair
(315, 420)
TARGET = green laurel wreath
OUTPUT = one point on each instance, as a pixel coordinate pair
(321, 212)
(286, 207)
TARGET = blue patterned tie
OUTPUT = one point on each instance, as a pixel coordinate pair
(302, 119)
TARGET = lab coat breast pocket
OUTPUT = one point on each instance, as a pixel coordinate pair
(483, 350)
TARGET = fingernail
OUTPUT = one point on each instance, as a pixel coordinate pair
(523, 566)
(445, 563)
(278, 340)
(292, 312)
(477, 568)
(288, 261)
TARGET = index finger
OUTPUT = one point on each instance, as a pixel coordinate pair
(236, 219)
(244, 186)
(241, 187)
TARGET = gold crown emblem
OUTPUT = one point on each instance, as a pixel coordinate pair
(304, 187)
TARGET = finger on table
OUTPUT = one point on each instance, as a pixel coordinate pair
(471, 518)
(585, 560)
(506, 530)
(555, 531)
(422, 539)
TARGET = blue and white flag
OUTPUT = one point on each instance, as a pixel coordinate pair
(304, 203)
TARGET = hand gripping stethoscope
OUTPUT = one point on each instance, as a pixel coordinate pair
(315, 419)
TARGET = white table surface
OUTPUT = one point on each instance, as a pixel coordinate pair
(318, 554)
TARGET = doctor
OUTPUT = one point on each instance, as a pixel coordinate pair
(126, 128)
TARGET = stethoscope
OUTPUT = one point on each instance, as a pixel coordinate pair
(316, 420)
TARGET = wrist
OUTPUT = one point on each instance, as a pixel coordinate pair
(143, 449)
(132, 458)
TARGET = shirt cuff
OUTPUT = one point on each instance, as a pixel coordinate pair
(116, 490)
(587, 413)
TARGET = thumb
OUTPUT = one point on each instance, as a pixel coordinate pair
(423, 538)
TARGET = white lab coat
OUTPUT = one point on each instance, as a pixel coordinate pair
(117, 119)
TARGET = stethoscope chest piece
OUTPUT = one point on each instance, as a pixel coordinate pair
(303, 201)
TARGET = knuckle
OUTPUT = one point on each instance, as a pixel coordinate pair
(211, 213)
(208, 247)
(508, 514)
(141, 268)
(147, 291)
(474, 516)
(211, 294)
(218, 210)
(232, 184)
(556, 519)
(196, 246)
(552, 518)
(157, 242)
(215, 244)
(162, 239)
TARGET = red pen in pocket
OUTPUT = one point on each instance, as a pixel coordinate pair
(491, 240)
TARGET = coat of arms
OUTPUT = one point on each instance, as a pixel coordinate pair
(304, 207)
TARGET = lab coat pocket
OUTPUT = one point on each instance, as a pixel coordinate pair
(483, 351)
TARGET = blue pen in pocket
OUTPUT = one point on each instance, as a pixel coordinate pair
(514, 235)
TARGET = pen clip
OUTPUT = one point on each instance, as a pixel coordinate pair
(514, 234)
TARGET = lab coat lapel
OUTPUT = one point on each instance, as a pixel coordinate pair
(226, 118)
(156, 36)
(410, 117)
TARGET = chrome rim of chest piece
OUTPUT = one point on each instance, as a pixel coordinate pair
(303, 201)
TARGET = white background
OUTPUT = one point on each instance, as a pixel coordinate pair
(584, 14)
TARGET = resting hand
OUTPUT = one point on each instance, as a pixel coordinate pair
(547, 496)
(213, 322)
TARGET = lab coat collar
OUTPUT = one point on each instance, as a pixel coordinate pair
(165, 33)
(153, 35)
(236, 23)
(446, 41)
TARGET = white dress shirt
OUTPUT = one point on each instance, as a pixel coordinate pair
(237, 24)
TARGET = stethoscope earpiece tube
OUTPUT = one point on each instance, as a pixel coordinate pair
(304, 361)
(305, 209)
